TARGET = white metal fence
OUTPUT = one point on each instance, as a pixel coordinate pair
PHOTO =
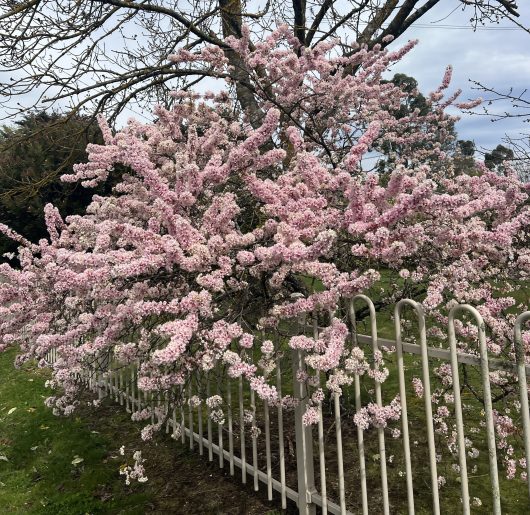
(329, 467)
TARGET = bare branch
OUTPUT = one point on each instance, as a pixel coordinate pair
(318, 20)
(84, 55)
(152, 8)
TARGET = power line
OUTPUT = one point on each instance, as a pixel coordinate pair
(463, 27)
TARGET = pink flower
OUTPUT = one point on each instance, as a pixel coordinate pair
(418, 386)
(310, 417)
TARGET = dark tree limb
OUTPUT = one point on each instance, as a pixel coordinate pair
(299, 20)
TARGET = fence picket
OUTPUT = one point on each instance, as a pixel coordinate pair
(220, 425)
(242, 432)
(281, 442)
(254, 440)
(304, 442)
(426, 394)
(268, 449)
(321, 450)
(340, 461)
(209, 420)
(230, 427)
(379, 403)
(523, 387)
(190, 414)
(404, 412)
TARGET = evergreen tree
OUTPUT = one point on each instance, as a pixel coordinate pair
(30, 170)
(494, 160)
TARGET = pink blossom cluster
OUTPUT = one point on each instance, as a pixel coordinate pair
(373, 415)
(221, 231)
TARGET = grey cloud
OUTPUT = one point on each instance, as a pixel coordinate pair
(496, 58)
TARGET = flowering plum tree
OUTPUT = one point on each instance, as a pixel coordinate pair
(220, 232)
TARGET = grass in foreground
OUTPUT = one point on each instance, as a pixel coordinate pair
(69, 466)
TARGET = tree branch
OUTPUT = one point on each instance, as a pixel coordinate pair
(147, 7)
(324, 8)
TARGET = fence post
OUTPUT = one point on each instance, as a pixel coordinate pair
(520, 355)
(304, 442)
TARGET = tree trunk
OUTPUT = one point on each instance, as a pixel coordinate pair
(231, 24)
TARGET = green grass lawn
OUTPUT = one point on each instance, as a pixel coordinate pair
(37, 449)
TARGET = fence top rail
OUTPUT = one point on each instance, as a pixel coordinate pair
(439, 353)
(444, 354)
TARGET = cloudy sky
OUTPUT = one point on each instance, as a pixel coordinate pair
(495, 56)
